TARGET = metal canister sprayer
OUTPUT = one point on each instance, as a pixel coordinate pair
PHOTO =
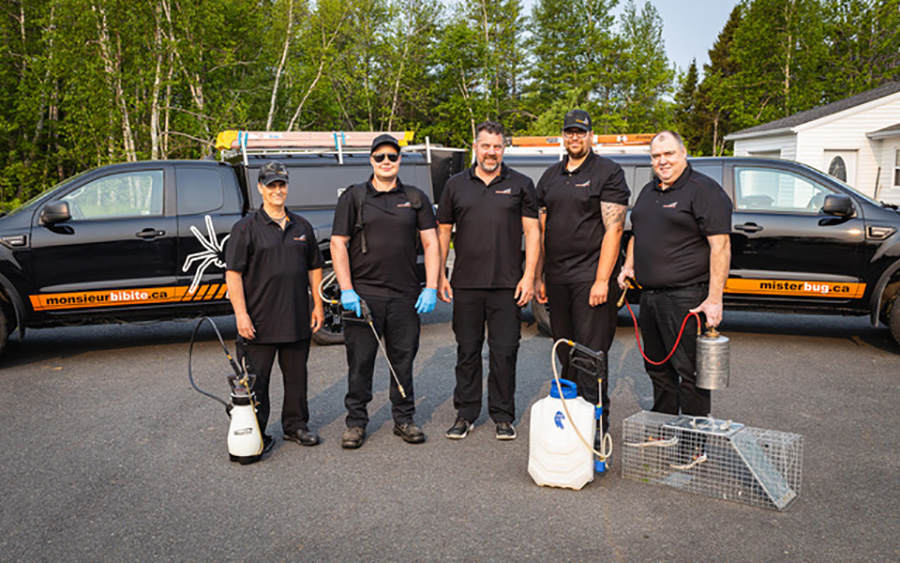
(713, 360)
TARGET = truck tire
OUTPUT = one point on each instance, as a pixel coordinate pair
(893, 316)
(332, 331)
(541, 314)
(5, 327)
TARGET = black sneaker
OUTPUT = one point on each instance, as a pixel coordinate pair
(353, 437)
(506, 431)
(410, 433)
(459, 430)
(302, 436)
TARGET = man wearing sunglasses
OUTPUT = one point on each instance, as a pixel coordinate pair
(491, 205)
(583, 199)
(375, 261)
(272, 261)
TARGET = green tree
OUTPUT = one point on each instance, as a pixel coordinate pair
(779, 50)
(643, 78)
(714, 97)
(863, 39)
(686, 110)
(575, 56)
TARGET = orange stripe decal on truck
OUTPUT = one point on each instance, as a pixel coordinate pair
(795, 288)
(116, 298)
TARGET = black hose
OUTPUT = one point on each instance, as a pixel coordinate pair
(234, 366)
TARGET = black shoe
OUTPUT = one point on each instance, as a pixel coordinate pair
(410, 433)
(302, 436)
(506, 431)
(268, 443)
(459, 430)
(353, 437)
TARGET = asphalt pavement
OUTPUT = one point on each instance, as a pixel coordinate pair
(109, 455)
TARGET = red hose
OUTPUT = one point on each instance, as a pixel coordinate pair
(637, 335)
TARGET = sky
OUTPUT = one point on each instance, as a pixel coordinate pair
(690, 27)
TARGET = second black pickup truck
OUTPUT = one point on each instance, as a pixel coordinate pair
(145, 240)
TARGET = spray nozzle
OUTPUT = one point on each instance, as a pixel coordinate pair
(629, 284)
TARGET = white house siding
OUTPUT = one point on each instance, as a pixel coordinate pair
(842, 131)
(775, 146)
(847, 131)
(888, 190)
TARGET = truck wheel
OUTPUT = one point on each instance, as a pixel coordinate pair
(541, 314)
(332, 331)
(5, 327)
(893, 317)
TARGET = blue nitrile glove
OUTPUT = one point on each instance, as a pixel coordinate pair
(350, 301)
(427, 300)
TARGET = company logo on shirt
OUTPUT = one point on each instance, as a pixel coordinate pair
(507, 191)
(301, 238)
(670, 205)
(407, 204)
(584, 185)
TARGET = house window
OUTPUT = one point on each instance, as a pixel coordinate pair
(897, 169)
(838, 169)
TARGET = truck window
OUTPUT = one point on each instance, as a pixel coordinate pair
(129, 194)
(714, 171)
(199, 190)
(768, 189)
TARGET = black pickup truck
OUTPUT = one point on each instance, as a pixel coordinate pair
(801, 241)
(145, 240)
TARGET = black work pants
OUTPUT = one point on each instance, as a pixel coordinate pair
(292, 357)
(675, 382)
(572, 317)
(397, 322)
(472, 308)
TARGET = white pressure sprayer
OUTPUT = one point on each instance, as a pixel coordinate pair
(245, 442)
(561, 449)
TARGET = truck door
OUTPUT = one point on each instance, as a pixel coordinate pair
(118, 248)
(208, 205)
(784, 246)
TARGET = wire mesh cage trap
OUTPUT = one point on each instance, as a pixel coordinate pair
(714, 458)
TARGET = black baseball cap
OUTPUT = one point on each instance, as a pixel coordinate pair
(384, 139)
(577, 119)
(273, 171)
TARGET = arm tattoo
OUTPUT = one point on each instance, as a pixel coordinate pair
(613, 214)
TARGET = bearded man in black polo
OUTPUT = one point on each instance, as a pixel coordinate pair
(491, 205)
(583, 199)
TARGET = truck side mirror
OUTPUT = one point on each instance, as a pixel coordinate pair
(55, 212)
(839, 205)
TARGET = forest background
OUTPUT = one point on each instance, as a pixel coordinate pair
(90, 82)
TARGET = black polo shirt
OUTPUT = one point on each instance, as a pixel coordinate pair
(488, 220)
(275, 266)
(670, 229)
(391, 225)
(574, 224)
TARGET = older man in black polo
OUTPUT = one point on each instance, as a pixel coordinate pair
(680, 255)
(272, 260)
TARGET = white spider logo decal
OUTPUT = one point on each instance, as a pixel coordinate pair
(211, 256)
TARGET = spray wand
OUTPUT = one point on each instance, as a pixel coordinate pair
(367, 317)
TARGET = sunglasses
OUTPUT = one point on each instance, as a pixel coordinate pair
(392, 156)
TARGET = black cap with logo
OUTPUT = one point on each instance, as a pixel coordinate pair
(384, 139)
(577, 119)
(273, 171)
